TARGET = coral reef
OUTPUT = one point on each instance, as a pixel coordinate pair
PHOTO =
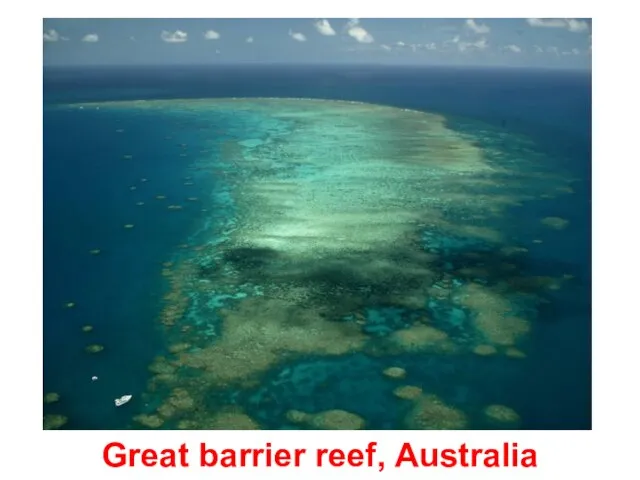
(512, 250)
(233, 419)
(493, 317)
(503, 416)
(179, 347)
(422, 338)
(431, 413)
(555, 222)
(485, 350)
(189, 425)
(176, 300)
(181, 400)
(54, 422)
(395, 372)
(327, 420)
(161, 365)
(514, 353)
(261, 332)
(149, 421)
(95, 348)
(51, 397)
(408, 392)
(330, 217)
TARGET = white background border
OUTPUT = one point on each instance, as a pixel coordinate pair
(608, 449)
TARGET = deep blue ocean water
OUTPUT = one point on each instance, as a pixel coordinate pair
(88, 199)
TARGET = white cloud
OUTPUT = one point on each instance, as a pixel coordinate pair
(51, 36)
(538, 48)
(355, 31)
(465, 46)
(548, 23)
(513, 48)
(481, 44)
(455, 39)
(575, 51)
(133, 39)
(90, 38)
(249, 40)
(553, 50)
(298, 37)
(476, 27)
(577, 25)
(570, 24)
(211, 35)
(324, 27)
(413, 46)
(174, 37)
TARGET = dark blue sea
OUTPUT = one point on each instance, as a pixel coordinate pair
(115, 253)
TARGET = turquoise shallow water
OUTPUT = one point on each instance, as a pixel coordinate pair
(316, 245)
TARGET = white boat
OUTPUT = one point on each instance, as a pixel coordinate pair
(122, 400)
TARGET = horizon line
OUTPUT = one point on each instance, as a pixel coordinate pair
(318, 65)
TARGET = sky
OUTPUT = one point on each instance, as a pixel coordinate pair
(519, 42)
